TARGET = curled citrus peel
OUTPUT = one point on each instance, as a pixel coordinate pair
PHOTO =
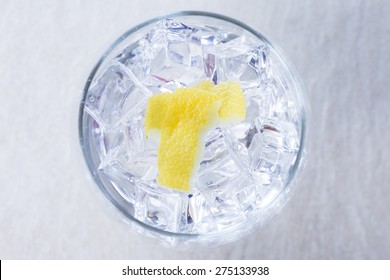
(182, 119)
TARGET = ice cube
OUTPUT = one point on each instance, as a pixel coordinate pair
(214, 149)
(247, 197)
(177, 31)
(173, 54)
(163, 211)
(180, 65)
(217, 181)
(178, 52)
(155, 42)
(263, 159)
(204, 36)
(238, 61)
(261, 101)
(195, 211)
(117, 155)
(273, 150)
(97, 138)
(285, 108)
(111, 140)
(195, 70)
(269, 193)
(230, 60)
(280, 135)
(121, 179)
(224, 157)
(218, 174)
(157, 84)
(135, 134)
(114, 95)
(144, 166)
(243, 132)
(196, 53)
(222, 210)
(136, 57)
(219, 185)
(126, 142)
(210, 67)
(261, 61)
(171, 63)
(257, 70)
(235, 65)
(209, 35)
(139, 156)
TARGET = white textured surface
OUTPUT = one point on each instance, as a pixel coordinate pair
(49, 208)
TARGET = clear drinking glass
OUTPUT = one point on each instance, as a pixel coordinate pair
(247, 169)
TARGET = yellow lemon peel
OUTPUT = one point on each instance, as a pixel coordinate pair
(182, 119)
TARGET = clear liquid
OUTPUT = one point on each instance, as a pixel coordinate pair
(244, 167)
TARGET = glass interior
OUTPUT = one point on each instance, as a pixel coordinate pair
(247, 168)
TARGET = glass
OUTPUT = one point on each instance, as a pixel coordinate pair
(247, 170)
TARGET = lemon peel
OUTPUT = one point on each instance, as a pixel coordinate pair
(182, 119)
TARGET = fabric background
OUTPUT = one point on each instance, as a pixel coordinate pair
(49, 206)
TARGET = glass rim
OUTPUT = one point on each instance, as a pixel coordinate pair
(303, 107)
